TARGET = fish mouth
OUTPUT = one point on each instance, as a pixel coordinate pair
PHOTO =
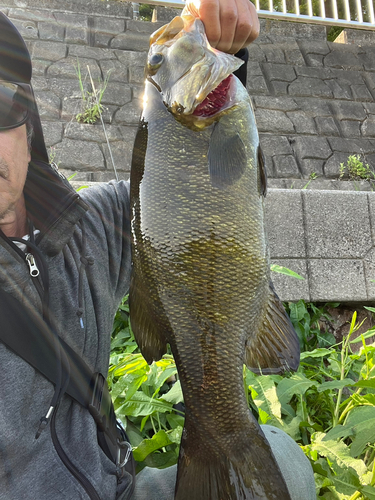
(215, 101)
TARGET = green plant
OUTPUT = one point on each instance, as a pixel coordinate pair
(284, 270)
(309, 322)
(357, 170)
(91, 100)
(145, 397)
(328, 407)
(145, 12)
(333, 33)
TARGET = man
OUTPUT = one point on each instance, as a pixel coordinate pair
(72, 271)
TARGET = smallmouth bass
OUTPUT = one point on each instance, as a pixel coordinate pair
(200, 276)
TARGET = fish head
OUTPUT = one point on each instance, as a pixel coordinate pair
(193, 78)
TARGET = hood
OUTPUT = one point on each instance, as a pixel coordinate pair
(47, 193)
(15, 66)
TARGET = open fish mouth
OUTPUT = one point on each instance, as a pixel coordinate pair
(215, 101)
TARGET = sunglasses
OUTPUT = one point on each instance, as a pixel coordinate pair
(15, 103)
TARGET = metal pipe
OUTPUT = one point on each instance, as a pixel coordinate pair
(335, 10)
(371, 11)
(310, 8)
(315, 20)
(296, 2)
(322, 9)
(347, 10)
(359, 11)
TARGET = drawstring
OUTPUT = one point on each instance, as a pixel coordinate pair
(86, 260)
(62, 363)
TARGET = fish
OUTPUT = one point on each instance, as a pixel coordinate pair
(200, 278)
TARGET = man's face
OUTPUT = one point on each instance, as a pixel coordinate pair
(14, 161)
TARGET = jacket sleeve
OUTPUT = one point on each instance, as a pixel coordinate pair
(241, 72)
(108, 221)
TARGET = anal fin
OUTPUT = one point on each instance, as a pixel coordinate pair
(275, 346)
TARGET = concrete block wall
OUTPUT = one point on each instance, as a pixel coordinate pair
(314, 102)
(328, 238)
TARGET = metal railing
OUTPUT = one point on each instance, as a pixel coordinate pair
(345, 13)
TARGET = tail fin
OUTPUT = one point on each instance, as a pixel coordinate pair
(243, 471)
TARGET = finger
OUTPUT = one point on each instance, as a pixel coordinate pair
(247, 28)
(209, 13)
(255, 24)
(228, 25)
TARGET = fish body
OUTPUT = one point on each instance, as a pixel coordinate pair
(201, 277)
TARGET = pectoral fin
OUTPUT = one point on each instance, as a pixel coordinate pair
(275, 347)
(145, 323)
(227, 158)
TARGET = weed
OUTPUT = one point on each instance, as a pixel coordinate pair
(327, 406)
(52, 154)
(357, 169)
(91, 100)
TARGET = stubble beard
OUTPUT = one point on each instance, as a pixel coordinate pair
(4, 174)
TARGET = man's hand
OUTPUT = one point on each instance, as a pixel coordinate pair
(230, 24)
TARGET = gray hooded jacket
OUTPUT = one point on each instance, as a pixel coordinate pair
(85, 242)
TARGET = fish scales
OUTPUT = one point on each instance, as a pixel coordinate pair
(201, 279)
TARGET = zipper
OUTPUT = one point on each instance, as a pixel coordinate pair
(31, 263)
(33, 268)
(83, 481)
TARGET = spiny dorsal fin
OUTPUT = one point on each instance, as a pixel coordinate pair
(275, 347)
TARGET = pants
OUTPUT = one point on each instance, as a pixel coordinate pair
(158, 484)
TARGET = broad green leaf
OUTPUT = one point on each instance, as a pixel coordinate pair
(372, 309)
(175, 435)
(338, 453)
(285, 270)
(316, 353)
(369, 491)
(175, 420)
(164, 376)
(267, 399)
(140, 405)
(297, 311)
(335, 384)
(174, 395)
(119, 387)
(362, 419)
(346, 482)
(134, 386)
(338, 432)
(334, 495)
(366, 383)
(263, 416)
(147, 446)
(161, 460)
(296, 384)
(130, 364)
(292, 428)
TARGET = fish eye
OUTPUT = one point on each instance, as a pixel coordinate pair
(155, 62)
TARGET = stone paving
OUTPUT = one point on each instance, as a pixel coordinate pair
(314, 102)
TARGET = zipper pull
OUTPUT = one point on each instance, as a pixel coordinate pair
(34, 271)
